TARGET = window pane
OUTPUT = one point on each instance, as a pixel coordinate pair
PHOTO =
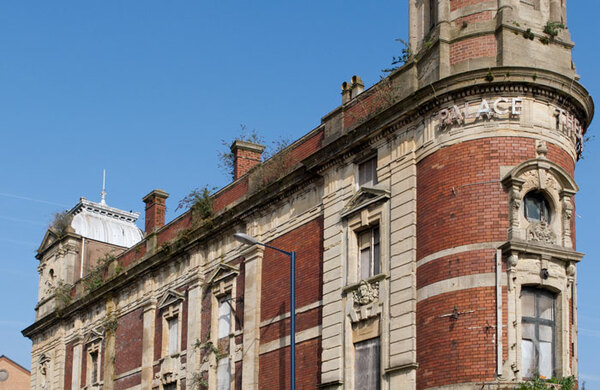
(366, 365)
(546, 304)
(545, 359)
(365, 263)
(172, 336)
(224, 318)
(528, 303)
(546, 333)
(532, 209)
(223, 374)
(528, 331)
(528, 360)
(170, 386)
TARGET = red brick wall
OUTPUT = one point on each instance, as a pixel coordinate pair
(239, 298)
(128, 381)
(238, 376)
(307, 242)
(473, 18)
(461, 201)
(158, 335)
(453, 266)
(478, 47)
(68, 366)
(457, 350)
(274, 367)
(128, 342)
(456, 4)
(244, 160)
(83, 365)
(304, 321)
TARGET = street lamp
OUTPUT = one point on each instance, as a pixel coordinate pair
(246, 239)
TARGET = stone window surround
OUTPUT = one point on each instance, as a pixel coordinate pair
(556, 185)
(545, 261)
(222, 284)
(364, 300)
(171, 307)
(94, 345)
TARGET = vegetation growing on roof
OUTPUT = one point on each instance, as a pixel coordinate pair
(199, 201)
(226, 157)
(403, 58)
(61, 222)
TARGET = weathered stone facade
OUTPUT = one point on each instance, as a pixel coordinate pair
(409, 209)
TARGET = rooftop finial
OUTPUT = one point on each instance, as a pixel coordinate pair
(103, 193)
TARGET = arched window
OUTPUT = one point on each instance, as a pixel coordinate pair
(536, 207)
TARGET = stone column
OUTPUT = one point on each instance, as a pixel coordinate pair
(148, 344)
(76, 373)
(252, 300)
(194, 318)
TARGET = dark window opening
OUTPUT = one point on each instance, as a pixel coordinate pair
(536, 207)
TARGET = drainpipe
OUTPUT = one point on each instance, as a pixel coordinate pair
(499, 312)
(82, 252)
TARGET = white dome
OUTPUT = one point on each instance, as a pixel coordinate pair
(100, 222)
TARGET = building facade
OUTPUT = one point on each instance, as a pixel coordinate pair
(431, 216)
(12, 375)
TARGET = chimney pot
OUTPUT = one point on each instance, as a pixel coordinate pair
(155, 209)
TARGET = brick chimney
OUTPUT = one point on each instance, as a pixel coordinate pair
(245, 156)
(155, 209)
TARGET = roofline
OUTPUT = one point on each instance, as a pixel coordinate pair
(16, 364)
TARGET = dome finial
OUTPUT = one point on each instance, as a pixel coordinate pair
(103, 193)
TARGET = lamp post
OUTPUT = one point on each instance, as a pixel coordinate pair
(247, 239)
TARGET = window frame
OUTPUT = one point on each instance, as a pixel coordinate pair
(539, 200)
(374, 248)
(368, 165)
(94, 347)
(171, 313)
(538, 321)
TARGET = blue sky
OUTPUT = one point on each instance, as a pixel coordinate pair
(148, 89)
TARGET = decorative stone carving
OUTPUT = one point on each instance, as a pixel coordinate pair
(43, 367)
(366, 293)
(541, 231)
(567, 214)
(541, 149)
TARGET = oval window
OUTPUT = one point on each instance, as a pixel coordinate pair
(536, 207)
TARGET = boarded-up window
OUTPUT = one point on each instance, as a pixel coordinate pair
(366, 365)
(172, 323)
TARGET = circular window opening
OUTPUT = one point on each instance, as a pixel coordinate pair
(3, 375)
(537, 207)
